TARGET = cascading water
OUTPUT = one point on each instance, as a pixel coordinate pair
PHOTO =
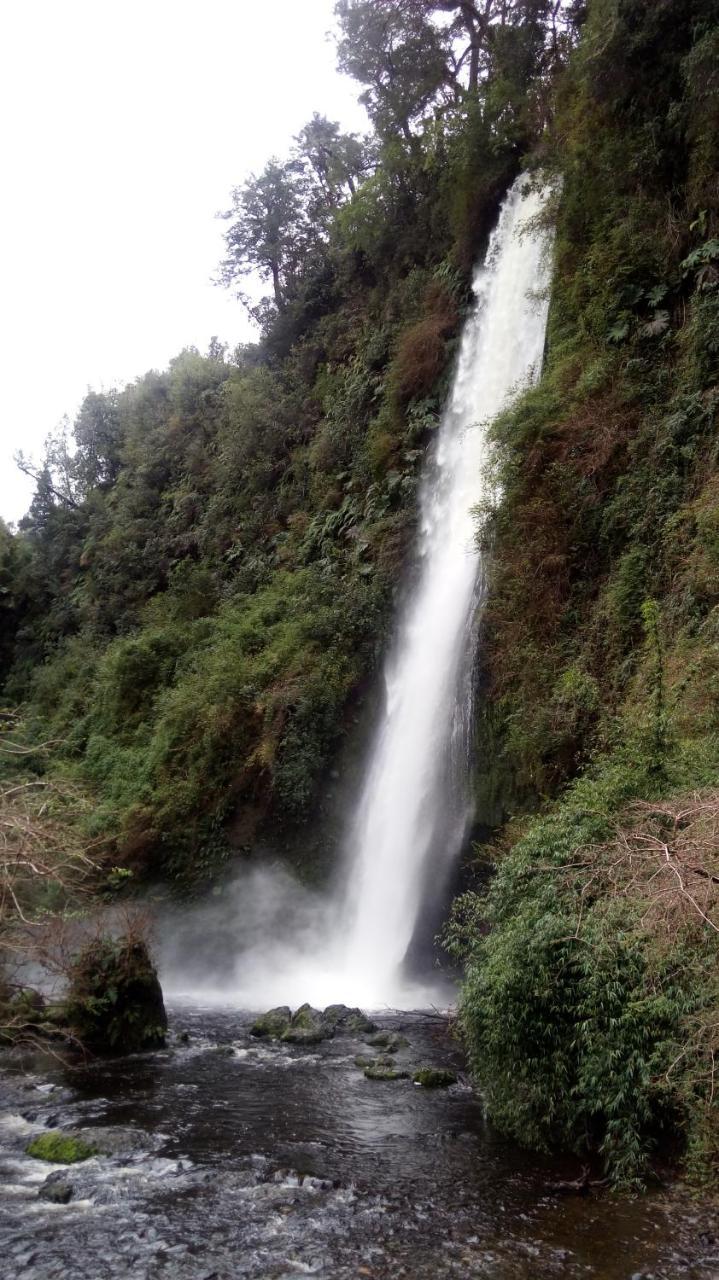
(415, 805)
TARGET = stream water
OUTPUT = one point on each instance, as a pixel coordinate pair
(230, 1157)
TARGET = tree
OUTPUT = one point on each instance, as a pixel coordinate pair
(335, 161)
(55, 476)
(399, 54)
(98, 439)
(270, 233)
(417, 56)
(281, 219)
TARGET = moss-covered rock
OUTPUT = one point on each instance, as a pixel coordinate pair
(59, 1148)
(388, 1040)
(350, 1021)
(379, 1072)
(307, 1027)
(434, 1077)
(115, 1002)
(272, 1024)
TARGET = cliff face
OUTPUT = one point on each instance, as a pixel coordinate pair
(591, 1008)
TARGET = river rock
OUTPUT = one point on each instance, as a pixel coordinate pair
(378, 1072)
(388, 1040)
(307, 1027)
(352, 1021)
(60, 1148)
(434, 1077)
(273, 1023)
(56, 1189)
(116, 1139)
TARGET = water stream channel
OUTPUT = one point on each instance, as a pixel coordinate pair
(226, 1157)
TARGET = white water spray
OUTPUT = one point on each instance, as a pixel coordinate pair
(414, 808)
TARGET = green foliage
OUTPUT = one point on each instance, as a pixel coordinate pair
(114, 1002)
(578, 996)
(589, 994)
(207, 573)
(59, 1148)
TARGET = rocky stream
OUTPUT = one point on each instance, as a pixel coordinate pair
(229, 1155)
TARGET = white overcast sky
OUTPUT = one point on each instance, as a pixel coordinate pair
(125, 125)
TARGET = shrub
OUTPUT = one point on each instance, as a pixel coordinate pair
(590, 1006)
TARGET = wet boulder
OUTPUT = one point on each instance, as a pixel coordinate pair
(349, 1021)
(434, 1077)
(118, 1140)
(56, 1189)
(115, 1003)
(273, 1024)
(307, 1026)
(390, 1041)
(382, 1071)
(60, 1148)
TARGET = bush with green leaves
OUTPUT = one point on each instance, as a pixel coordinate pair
(590, 999)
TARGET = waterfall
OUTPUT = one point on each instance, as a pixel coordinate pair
(415, 805)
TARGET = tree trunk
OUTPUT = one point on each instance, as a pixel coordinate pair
(277, 288)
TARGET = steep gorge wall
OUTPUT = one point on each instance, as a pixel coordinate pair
(590, 1003)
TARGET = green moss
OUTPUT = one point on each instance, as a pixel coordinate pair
(272, 1024)
(59, 1148)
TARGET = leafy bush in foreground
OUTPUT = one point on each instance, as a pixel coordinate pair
(590, 1003)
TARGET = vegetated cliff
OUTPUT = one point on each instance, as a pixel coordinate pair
(591, 1007)
(205, 577)
(202, 589)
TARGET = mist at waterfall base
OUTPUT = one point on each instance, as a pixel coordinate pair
(264, 939)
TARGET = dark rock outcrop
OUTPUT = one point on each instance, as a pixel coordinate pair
(115, 1002)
